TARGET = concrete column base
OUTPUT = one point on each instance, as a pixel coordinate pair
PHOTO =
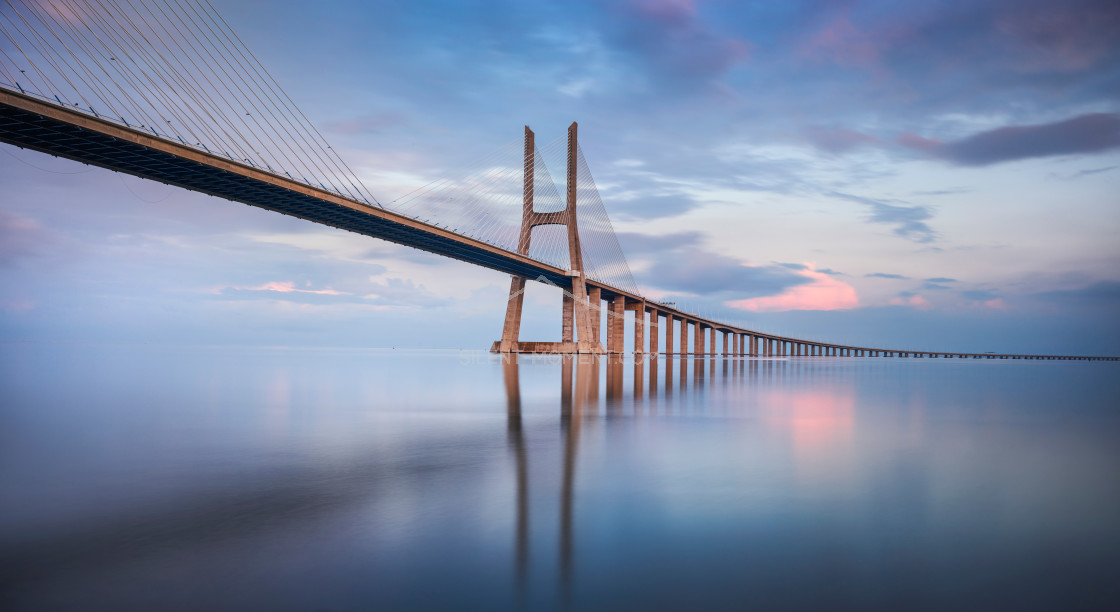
(558, 348)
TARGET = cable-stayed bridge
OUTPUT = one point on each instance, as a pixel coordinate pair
(167, 91)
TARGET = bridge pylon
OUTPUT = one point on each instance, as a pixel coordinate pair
(578, 333)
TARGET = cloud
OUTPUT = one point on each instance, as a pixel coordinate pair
(909, 221)
(647, 207)
(1012, 37)
(634, 243)
(938, 283)
(886, 275)
(942, 192)
(677, 262)
(404, 292)
(1061, 37)
(822, 293)
(284, 291)
(910, 299)
(839, 140)
(841, 43)
(1081, 173)
(699, 271)
(391, 292)
(674, 45)
(1091, 133)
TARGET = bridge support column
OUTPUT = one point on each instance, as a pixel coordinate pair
(512, 327)
(595, 313)
(712, 337)
(684, 336)
(569, 329)
(616, 319)
(699, 339)
(668, 335)
(640, 328)
(654, 326)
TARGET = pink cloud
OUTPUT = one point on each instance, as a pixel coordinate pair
(823, 293)
(279, 287)
(914, 141)
(914, 301)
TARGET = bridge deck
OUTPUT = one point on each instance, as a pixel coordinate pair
(57, 130)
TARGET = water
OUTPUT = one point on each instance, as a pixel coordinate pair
(272, 479)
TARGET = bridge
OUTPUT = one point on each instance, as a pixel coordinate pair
(170, 93)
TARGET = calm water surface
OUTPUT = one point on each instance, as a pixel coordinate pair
(272, 479)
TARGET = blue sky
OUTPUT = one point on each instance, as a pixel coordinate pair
(930, 174)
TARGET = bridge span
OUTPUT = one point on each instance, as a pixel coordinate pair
(33, 123)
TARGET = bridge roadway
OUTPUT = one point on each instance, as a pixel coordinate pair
(30, 122)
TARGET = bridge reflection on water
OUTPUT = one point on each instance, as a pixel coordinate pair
(580, 403)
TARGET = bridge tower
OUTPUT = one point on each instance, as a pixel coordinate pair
(578, 335)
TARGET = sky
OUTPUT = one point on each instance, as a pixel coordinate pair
(925, 175)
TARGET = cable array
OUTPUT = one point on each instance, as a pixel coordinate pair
(483, 200)
(602, 254)
(174, 68)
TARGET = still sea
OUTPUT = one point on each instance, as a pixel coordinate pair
(276, 479)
